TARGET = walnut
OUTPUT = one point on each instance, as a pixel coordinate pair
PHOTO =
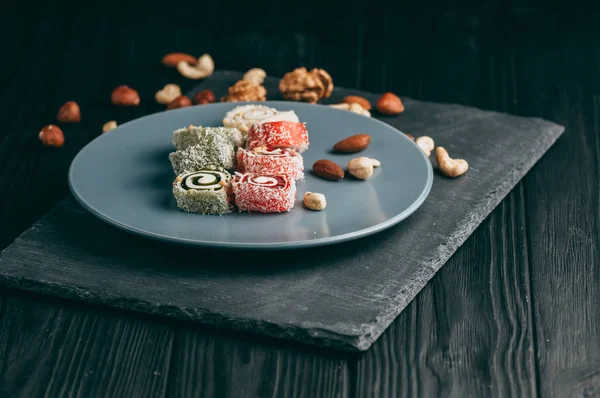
(243, 91)
(302, 85)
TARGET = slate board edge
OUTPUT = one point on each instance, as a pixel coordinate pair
(464, 229)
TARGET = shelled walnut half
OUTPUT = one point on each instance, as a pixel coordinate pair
(243, 91)
(308, 86)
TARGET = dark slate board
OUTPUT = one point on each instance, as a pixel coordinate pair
(342, 296)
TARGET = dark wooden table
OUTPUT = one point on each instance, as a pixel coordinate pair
(515, 312)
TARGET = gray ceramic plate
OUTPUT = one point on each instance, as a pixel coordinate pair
(124, 177)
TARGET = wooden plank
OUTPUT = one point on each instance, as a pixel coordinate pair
(563, 202)
(53, 348)
(211, 365)
(468, 333)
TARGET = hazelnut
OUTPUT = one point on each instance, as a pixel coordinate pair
(125, 96)
(69, 113)
(52, 136)
(180, 102)
(204, 97)
(361, 168)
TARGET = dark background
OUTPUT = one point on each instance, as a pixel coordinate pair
(515, 312)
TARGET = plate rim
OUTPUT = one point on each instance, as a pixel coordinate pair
(249, 245)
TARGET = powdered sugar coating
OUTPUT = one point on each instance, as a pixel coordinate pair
(281, 134)
(244, 116)
(259, 193)
(278, 161)
(216, 150)
(196, 135)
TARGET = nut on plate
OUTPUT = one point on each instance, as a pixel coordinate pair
(111, 125)
(200, 70)
(315, 201)
(243, 91)
(204, 97)
(52, 136)
(167, 94)
(450, 167)
(125, 96)
(362, 167)
(352, 144)
(255, 75)
(353, 107)
(390, 104)
(69, 113)
(172, 59)
(328, 170)
(302, 85)
(426, 144)
(355, 99)
(180, 102)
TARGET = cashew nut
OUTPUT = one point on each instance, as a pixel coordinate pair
(109, 126)
(168, 93)
(448, 166)
(375, 162)
(352, 107)
(315, 201)
(361, 167)
(426, 144)
(204, 68)
(255, 75)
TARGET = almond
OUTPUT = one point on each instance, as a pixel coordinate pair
(327, 169)
(355, 143)
(355, 99)
(172, 59)
(390, 104)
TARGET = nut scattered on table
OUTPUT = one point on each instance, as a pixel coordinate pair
(200, 70)
(243, 91)
(172, 59)
(111, 125)
(125, 96)
(204, 97)
(180, 102)
(361, 168)
(426, 144)
(412, 137)
(375, 162)
(448, 166)
(353, 144)
(52, 136)
(255, 75)
(353, 107)
(328, 169)
(355, 99)
(390, 104)
(167, 94)
(302, 85)
(69, 113)
(315, 201)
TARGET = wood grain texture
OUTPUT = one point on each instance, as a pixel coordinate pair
(54, 350)
(468, 333)
(539, 61)
(564, 225)
(251, 369)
